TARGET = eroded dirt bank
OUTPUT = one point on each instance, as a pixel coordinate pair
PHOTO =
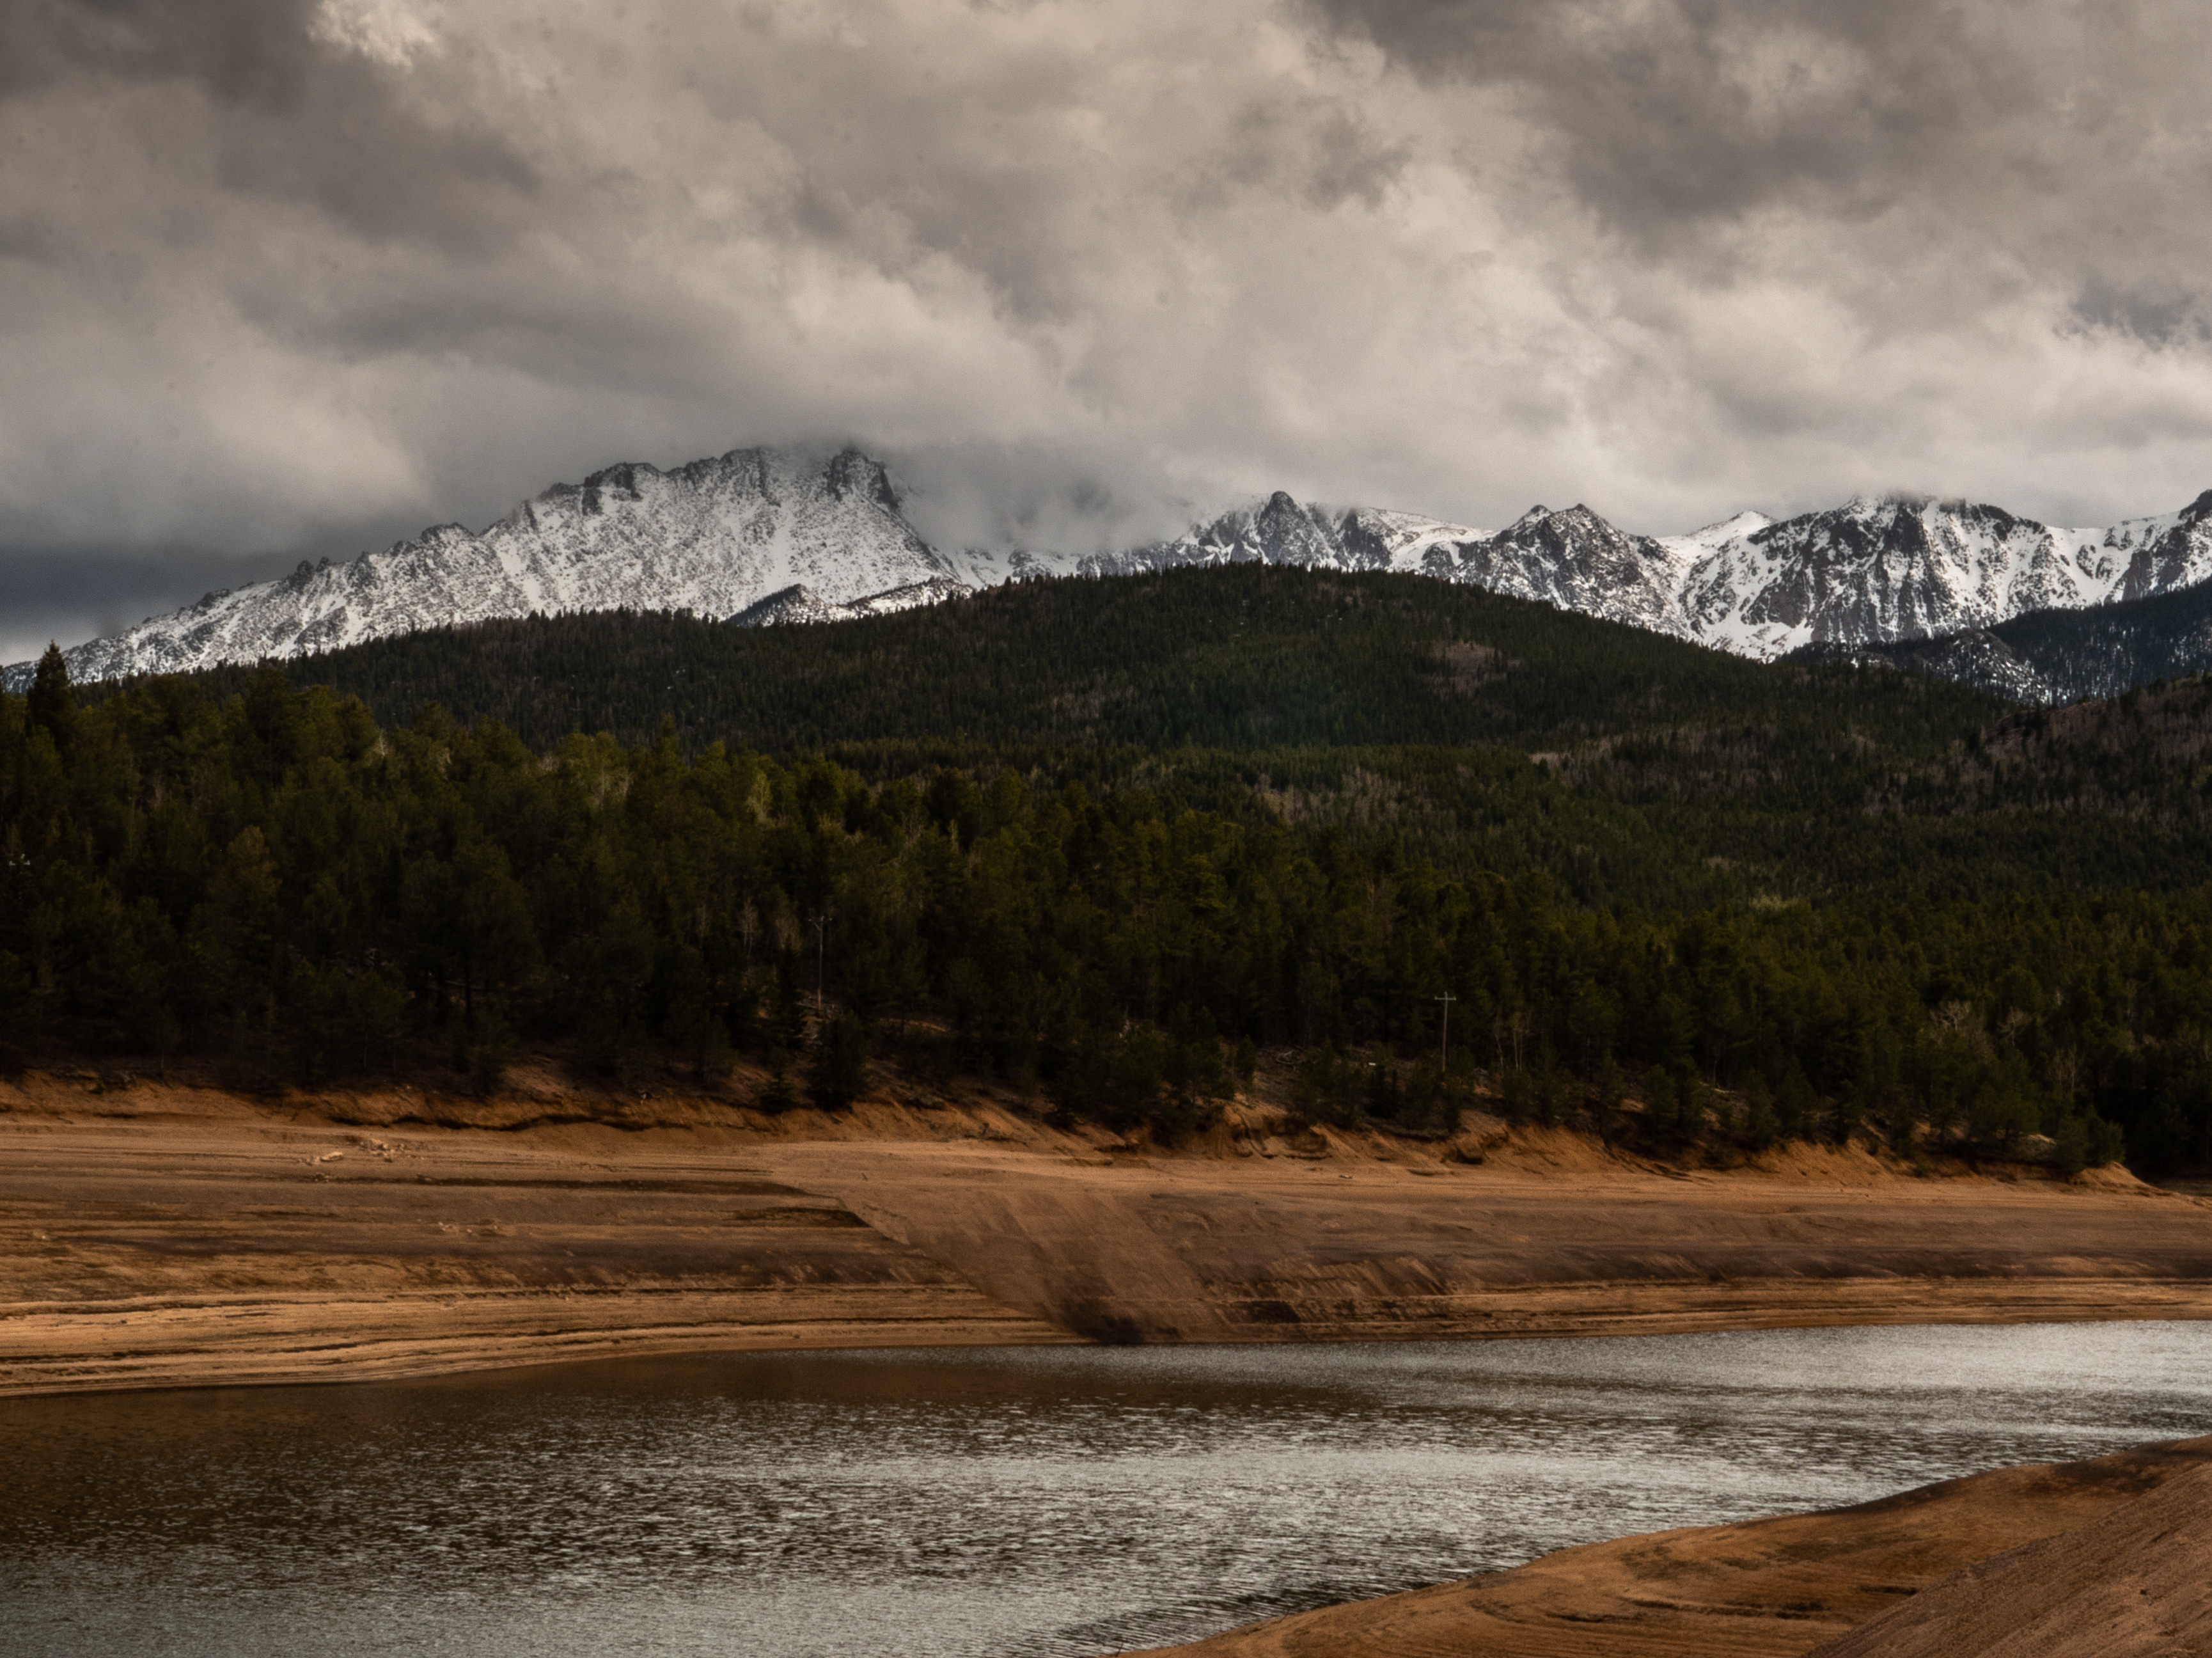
(172, 1237)
(2122, 1575)
(155, 1235)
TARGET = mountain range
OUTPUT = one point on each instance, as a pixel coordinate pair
(766, 537)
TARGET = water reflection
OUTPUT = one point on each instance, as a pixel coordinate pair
(975, 1504)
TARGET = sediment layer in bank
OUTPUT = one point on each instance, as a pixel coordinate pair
(154, 1235)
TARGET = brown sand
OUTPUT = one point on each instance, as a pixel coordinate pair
(158, 1235)
(1785, 1585)
(2136, 1583)
(193, 1238)
(1401, 1242)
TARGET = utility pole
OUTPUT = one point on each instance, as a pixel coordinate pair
(1443, 1051)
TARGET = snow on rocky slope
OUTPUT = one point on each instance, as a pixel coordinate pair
(1874, 570)
(801, 603)
(714, 537)
(1879, 570)
(1282, 532)
(765, 537)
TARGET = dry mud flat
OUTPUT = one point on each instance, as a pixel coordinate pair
(2106, 1558)
(154, 1235)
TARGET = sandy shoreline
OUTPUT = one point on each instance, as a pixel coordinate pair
(167, 1236)
(1797, 1583)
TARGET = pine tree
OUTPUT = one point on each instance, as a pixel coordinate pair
(52, 706)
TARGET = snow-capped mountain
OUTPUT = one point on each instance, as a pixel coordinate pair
(1874, 570)
(1573, 559)
(761, 537)
(1879, 571)
(765, 537)
(1282, 532)
(714, 537)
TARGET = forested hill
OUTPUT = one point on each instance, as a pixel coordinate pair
(1106, 840)
(1236, 657)
(1482, 732)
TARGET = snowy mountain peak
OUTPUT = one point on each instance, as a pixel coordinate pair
(1893, 567)
(1574, 558)
(852, 473)
(770, 537)
(1745, 525)
(714, 537)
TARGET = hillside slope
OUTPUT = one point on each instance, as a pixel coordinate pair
(1241, 656)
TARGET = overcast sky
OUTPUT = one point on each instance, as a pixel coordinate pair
(286, 277)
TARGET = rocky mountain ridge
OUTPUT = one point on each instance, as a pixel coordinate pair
(714, 537)
(770, 537)
(2050, 658)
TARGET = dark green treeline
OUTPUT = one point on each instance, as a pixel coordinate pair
(270, 881)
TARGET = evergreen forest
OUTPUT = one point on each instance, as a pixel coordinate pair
(1110, 842)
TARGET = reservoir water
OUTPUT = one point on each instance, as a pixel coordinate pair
(984, 1503)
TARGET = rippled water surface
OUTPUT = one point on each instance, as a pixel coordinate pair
(971, 1504)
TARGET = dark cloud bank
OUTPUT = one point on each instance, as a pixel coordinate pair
(287, 277)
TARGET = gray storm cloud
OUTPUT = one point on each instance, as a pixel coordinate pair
(286, 277)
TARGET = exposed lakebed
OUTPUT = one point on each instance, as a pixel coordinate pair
(983, 1504)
